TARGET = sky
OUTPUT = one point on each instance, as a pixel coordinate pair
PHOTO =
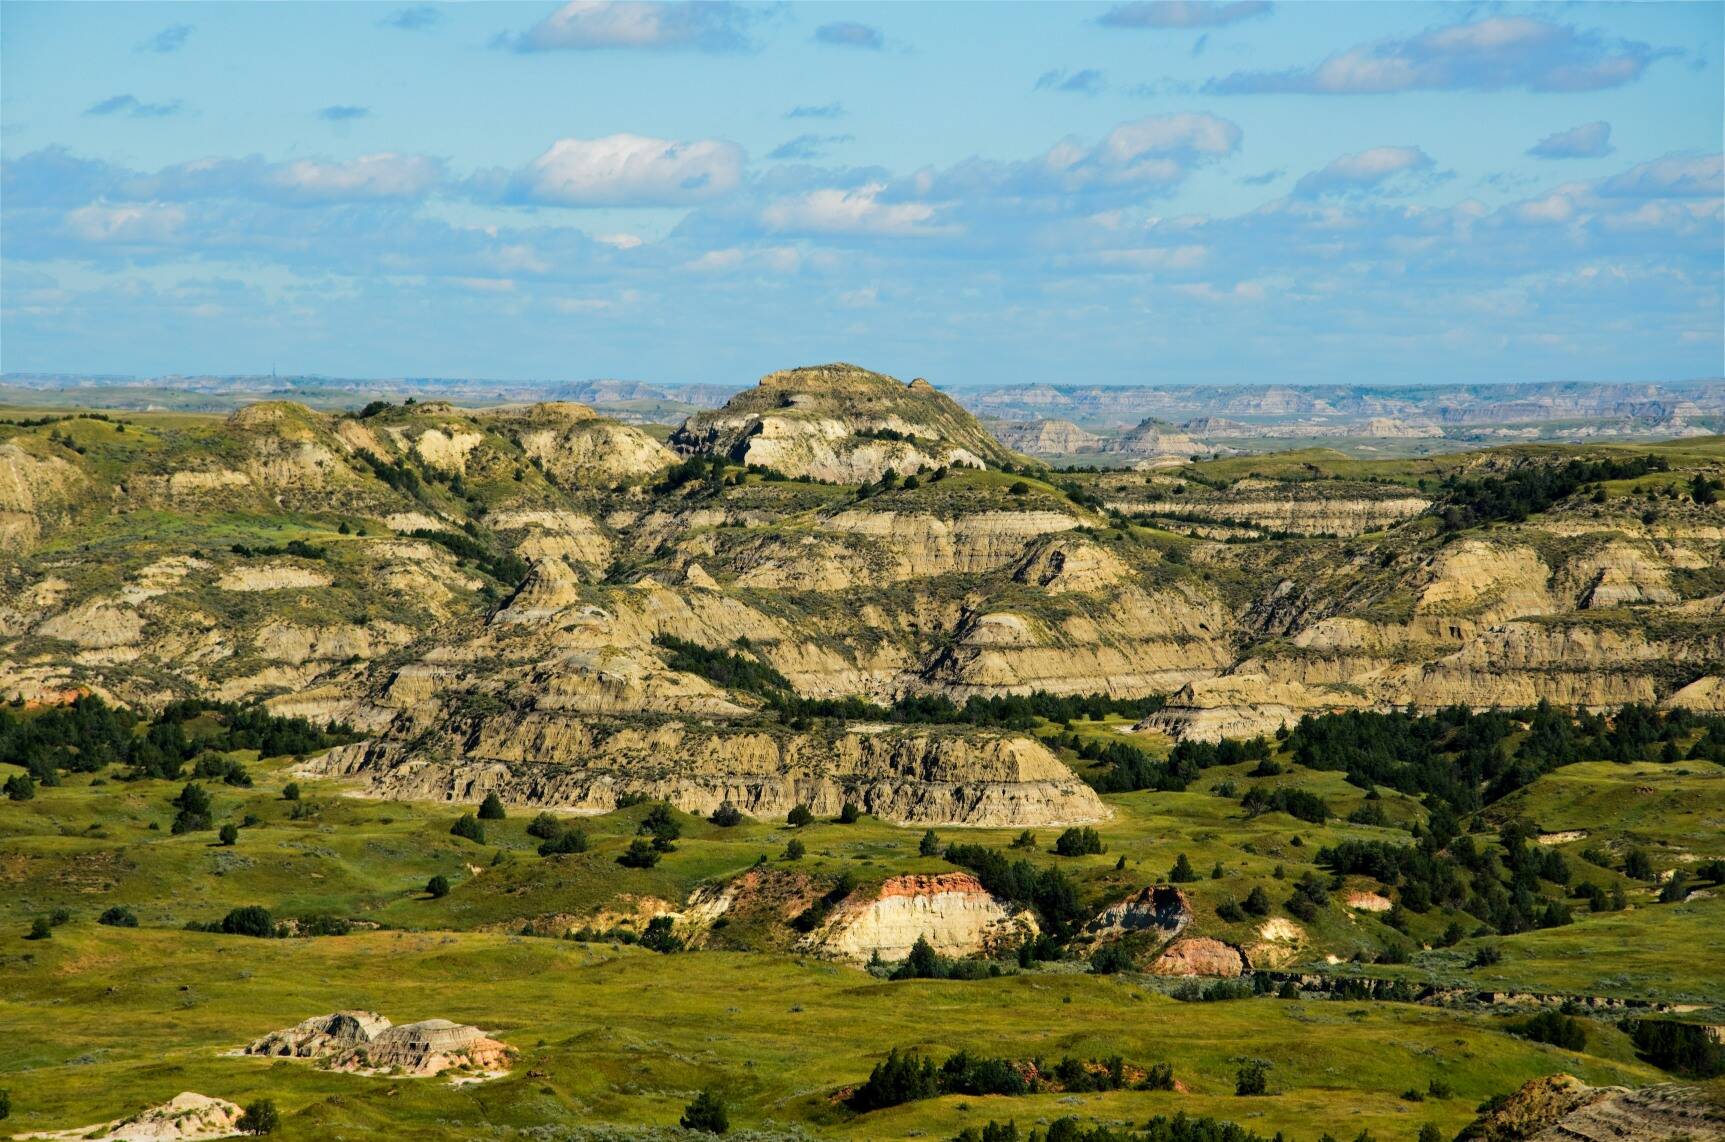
(1116, 193)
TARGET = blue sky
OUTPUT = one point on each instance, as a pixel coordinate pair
(1072, 193)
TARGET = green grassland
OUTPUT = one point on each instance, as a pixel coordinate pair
(123, 1018)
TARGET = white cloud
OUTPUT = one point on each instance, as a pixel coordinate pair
(1588, 141)
(630, 170)
(588, 25)
(369, 176)
(1674, 176)
(1182, 13)
(148, 222)
(858, 211)
(1365, 170)
(1494, 54)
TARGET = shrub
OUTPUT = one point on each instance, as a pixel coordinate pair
(40, 929)
(437, 887)
(659, 936)
(1182, 872)
(1257, 902)
(250, 920)
(639, 854)
(118, 916)
(1024, 840)
(491, 809)
(545, 826)
(706, 1114)
(850, 814)
(229, 835)
(290, 791)
(19, 787)
(1684, 1048)
(795, 850)
(1252, 1078)
(799, 816)
(1485, 956)
(1019, 488)
(726, 816)
(1079, 841)
(1230, 911)
(260, 1117)
(929, 845)
(1676, 889)
(467, 826)
(1430, 1133)
(1111, 958)
(570, 840)
(1555, 1028)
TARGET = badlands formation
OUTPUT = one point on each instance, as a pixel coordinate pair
(486, 593)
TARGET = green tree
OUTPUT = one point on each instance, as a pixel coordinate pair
(930, 844)
(706, 1114)
(118, 916)
(260, 1117)
(1252, 1078)
(40, 929)
(251, 920)
(1430, 1133)
(438, 886)
(468, 826)
(726, 816)
(1182, 872)
(639, 854)
(193, 803)
(1257, 901)
(795, 850)
(19, 787)
(290, 791)
(850, 814)
(800, 816)
(229, 834)
(491, 809)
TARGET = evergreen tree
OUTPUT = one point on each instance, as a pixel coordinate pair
(930, 844)
(468, 827)
(437, 886)
(491, 809)
(1182, 872)
(706, 1114)
(260, 1117)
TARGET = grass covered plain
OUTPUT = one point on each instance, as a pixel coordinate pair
(105, 1021)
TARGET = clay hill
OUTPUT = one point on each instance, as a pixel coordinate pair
(544, 603)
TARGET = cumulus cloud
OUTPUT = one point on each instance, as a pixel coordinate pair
(343, 113)
(846, 34)
(688, 25)
(1494, 54)
(131, 105)
(1588, 141)
(1087, 81)
(379, 176)
(816, 111)
(1181, 14)
(858, 211)
(807, 146)
(413, 18)
(170, 39)
(1674, 176)
(149, 222)
(1366, 170)
(629, 170)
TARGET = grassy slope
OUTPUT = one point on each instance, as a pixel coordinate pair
(124, 1018)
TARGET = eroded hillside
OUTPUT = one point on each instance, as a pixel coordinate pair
(489, 593)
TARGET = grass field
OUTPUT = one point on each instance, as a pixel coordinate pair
(117, 1019)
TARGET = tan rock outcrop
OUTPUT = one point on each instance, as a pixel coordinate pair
(187, 1117)
(321, 1035)
(429, 1047)
(1201, 956)
(952, 911)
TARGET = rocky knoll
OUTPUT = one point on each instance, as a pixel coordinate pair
(990, 780)
(952, 912)
(1562, 1108)
(187, 1117)
(365, 1041)
(841, 423)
